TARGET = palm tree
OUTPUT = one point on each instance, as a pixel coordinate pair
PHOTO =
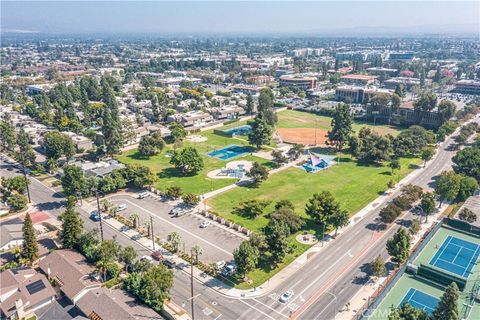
(175, 240)
(106, 205)
(103, 265)
(134, 219)
(196, 251)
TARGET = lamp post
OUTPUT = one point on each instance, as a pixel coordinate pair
(25, 176)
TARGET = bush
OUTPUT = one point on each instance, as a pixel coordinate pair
(173, 192)
(191, 199)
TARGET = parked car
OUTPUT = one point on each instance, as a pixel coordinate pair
(157, 255)
(95, 216)
(136, 237)
(120, 207)
(229, 269)
(169, 263)
(284, 298)
(219, 265)
(205, 224)
(142, 195)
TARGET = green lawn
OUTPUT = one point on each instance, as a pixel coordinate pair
(352, 184)
(199, 183)
(299, 119)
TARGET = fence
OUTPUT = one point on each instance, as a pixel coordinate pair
(440, 277)
(376, 298)
(463, 226)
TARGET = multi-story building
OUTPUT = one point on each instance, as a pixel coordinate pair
(468, 87)
(358, 79)
(401, 56)
(298, 81)
(357, 94)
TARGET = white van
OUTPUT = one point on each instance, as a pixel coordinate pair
(142, 195)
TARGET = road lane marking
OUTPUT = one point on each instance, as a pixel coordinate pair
(218, 317)
(256, 309)
(263, 304)
(176, 226)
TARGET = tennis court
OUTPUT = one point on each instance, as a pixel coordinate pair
(420, 300)
(456, 256)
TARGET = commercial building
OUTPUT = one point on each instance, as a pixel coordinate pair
(408, 83)
(358, 79)
(401, 56)
(357, 94)
(381, 71)
(468, 87)
(298, 81)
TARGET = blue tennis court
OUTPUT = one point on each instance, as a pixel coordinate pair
(456, 256)
(230, 152)
(420, 300)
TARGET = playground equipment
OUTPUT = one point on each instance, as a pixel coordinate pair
(315, 163)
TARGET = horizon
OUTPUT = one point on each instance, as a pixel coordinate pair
(307, 18)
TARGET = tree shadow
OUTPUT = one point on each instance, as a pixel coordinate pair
(413, 166)
(404, 223)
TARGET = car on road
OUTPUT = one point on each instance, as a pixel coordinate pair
(169, 263)
(124, 228)
(157, 255)
(120, 207)
(205, 224)
(147, 258)
(142, 195)
(284, 298)
(94, 215)
(136, 237)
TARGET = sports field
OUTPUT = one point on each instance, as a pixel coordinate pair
(452, 252)
(423, 293)
(408, 288)
(200, 183)
(300, 119)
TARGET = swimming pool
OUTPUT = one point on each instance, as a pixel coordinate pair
(230, 152)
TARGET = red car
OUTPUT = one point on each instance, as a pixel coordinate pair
(157, 255)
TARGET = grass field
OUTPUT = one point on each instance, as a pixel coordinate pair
(299, 119)
(199, 183)
(352, 184)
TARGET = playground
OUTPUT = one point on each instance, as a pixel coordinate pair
(233, 169)
(205, 142)
(316, 162)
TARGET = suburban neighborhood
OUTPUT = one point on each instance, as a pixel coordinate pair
(237, 175)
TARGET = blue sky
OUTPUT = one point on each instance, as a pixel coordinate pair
(240, 17)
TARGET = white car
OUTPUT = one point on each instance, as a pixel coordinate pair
(121, 207)
(148, 258)
(142, 195)
(205, 224)
(219, 265)
(286, 296)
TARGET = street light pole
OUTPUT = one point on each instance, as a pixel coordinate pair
(25, 176)
(99, 214)
(191, 286)
(153, 237)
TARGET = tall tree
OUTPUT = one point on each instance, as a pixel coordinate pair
(250, 107)
(377, 267)
(448, 185)
(322, 206)
(277, 233)
(188, 160)
(246, 257)
(8, 135)
(427, 204)
(398, 246)
(72, 225)
(258, 173)
(341, 126)
(447, 308)
(261, 133)
(338, 219)
(427, 154)
(29, 246)
(111, 120)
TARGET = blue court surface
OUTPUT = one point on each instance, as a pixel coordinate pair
(456, 256)
(420, 300)
(230, 152)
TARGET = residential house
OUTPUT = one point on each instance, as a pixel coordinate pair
(22, 292)
(192, 118)
(71, 272)
(114, 304)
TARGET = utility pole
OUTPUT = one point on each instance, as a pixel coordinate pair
(191, 287)
(153, 236)
(99, 214)
(25, 176)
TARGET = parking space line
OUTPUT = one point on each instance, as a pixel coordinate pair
(176, 226)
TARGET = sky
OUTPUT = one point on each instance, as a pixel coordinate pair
(223, 17)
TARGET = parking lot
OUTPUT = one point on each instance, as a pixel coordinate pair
(216, 241)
